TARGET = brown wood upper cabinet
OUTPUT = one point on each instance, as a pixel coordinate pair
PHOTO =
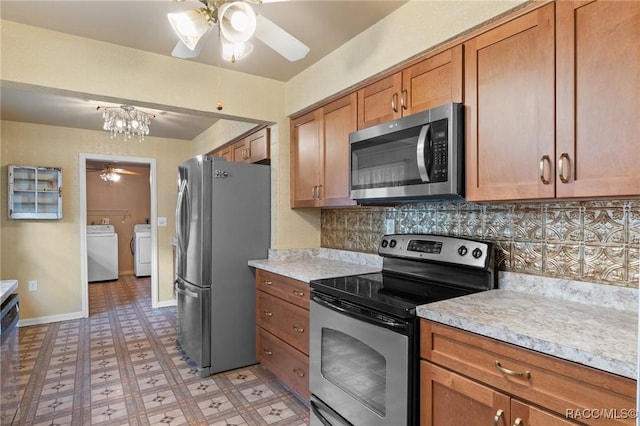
(597, 105)
(554, 115)
(320, 155)
(253, 148)
(434, 81)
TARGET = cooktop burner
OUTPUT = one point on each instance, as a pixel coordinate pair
(386, 292)
(417, 269)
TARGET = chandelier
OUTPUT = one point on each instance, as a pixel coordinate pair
(109, 176)
(126, 120)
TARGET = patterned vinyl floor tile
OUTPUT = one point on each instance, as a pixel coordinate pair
(121, 366)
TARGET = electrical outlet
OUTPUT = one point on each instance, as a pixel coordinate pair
(162, 221)
(33, 285)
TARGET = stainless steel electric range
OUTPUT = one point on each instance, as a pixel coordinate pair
(364, 334)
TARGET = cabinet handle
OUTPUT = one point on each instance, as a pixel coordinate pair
(403, 99)
(564, 156)
(523, 374)
(497, 417)
(298, 329)
(313, 192)
(267, 352)
(298, 293)
(543, 160)
(518, 422)
(298, 372)
(319, 194)
(268, 314)
(267, 282)
(394, 102)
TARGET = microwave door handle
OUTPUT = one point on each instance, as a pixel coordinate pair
(424, 161)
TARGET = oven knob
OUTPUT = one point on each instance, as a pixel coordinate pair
(462, 250)
(393, 243)
(476, 253)
(384, 243)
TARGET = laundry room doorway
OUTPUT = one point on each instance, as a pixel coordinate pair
(118, 201)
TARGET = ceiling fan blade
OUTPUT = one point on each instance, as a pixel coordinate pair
(280, 40)
(125, 172)
(183, 52)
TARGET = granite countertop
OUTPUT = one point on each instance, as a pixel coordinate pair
(597, 336)
(312, 264)
(6, 288)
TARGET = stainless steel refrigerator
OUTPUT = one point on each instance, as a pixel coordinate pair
(222, 221)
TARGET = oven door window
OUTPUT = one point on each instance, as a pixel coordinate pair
(356, 368)
(386, 162)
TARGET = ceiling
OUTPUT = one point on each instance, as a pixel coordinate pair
(322, 25)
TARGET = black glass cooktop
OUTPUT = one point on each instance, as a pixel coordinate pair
(386, 292)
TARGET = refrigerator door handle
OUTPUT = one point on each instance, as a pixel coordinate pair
(182, 225)
(185, 291)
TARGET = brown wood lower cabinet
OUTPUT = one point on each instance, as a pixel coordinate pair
(282, 332)
(468, 379)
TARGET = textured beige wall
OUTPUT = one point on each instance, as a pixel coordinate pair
(49, 250)
(220, 133)
(408, 31)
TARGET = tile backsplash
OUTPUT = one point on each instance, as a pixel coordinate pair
(593, 241)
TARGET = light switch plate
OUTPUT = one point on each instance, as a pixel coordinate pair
(162, 221)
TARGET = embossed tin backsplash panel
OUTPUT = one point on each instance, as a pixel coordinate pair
(594, 241)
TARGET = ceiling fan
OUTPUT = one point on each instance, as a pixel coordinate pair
(237, 23)
(109, 173)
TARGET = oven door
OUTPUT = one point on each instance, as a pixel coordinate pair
(358, 369)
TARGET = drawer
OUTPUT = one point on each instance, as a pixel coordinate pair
(555, 384)
(289, 365)
(286, 288)
(287, 321)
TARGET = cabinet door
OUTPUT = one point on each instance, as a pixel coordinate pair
(380, 101)
(510, 122)
(339, 119)
(225, 153)
(448, 399)
(598, 85)
(433, 82)
(240, 151)
(258, 145)
(533, 416)
(306, 158)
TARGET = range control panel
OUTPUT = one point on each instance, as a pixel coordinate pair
(437, 248)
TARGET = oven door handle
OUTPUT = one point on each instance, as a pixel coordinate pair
(320, 417)
(389, 323)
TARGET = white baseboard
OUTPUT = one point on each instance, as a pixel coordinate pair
(167, 303)
(49, 319)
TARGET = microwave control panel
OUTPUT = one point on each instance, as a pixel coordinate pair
(440, 152)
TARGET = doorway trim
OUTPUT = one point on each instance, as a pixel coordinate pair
(82, 180)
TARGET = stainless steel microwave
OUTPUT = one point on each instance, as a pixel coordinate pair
(417, 157)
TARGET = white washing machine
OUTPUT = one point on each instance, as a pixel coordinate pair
(142, 250)
(102, 253)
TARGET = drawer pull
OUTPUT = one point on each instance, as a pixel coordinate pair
(268, 314)
(497, 417)
(523, 374)
(267, 282)
(298, 372)
(267, 352)
(298, 293)
(518, 422)
(298, 329)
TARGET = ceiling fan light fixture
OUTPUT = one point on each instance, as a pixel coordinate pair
(232, 52)
(191, 25)
(109, 176)
(237, 21)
